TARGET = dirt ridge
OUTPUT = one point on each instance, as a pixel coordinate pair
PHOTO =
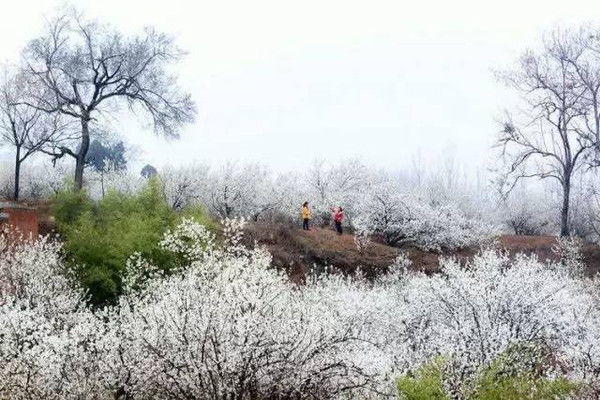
(298, 251)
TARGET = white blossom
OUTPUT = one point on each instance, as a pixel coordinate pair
(225, 324)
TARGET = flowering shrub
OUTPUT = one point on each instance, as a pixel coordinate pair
(48, 346)
(224, 324)
(523, 213)
(37, 180)
(408, 219)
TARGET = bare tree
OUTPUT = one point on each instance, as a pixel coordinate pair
(23, 127)
(584, 59)
(181, 187)
(84, 70)
(549, 141)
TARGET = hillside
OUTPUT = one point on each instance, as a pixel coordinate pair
(298, 251)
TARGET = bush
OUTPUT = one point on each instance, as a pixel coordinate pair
(522, 372)
(100, 237)
(405, 219)
(522, 387)
(426, 384)
(68, 205)
(518, 374)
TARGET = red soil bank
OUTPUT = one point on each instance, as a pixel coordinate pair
(19, 217)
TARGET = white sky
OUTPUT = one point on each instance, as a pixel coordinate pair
(284, 82)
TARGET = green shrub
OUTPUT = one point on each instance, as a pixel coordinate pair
(520, 373)
(68, 205)
(99, 237)
(525, 388)
(425, 384)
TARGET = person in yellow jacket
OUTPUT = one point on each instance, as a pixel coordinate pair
(305, 216)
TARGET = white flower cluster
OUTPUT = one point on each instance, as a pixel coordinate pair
(402, 218)
(227, 325)
(51, 344)
(190, 240)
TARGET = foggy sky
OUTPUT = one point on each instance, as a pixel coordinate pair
(285, 82)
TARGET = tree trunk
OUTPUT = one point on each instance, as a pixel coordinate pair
(564, 217)
(80, 159)
(102, 182)
(17, 173)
